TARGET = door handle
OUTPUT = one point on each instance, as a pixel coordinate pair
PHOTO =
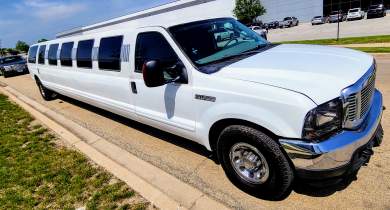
(133, 87)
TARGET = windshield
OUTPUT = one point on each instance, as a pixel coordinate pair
(210, 41)
(317, 17)
(353, 10)
(10, 59)
(287, 18)
(334, 13)
(373, 6)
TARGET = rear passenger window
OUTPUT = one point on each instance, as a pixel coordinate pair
(84, 54)
(41, 54)
(153, 46)
(110, 53)
(66, 54)
(32, 54)
(53, 54)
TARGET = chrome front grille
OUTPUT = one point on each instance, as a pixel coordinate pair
(366, 95)
(357, 99)
(351, 108)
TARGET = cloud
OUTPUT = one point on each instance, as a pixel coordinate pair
(53, 10)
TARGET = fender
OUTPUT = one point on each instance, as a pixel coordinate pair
(270, 119)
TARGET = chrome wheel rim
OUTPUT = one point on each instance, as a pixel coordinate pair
(249, 163)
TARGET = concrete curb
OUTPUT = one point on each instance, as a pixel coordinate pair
(160, 188)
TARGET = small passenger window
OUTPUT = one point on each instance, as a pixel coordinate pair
(84, 54)
(153, 46)
(66, 54)
(53, 54)
(110, 53)
(41, 54)
(32, 54)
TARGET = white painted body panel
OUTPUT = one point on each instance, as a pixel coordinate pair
(274, 89)
(318, 72)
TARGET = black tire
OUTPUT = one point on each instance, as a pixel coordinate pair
(5, 74)
(281, 175)
(46, 94)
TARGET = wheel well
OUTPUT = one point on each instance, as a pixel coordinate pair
(218, 127)
(36, 78)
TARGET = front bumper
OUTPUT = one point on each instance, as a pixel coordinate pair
(338, 151)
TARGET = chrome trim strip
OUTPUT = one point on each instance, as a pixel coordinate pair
(356, 89)
(338, 150)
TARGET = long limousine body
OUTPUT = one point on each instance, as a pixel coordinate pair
(268, 112)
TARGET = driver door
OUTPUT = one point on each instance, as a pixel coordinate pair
(168, 106)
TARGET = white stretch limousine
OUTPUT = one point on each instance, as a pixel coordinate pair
(269, 112)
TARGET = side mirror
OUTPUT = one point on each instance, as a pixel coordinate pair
(153, 74)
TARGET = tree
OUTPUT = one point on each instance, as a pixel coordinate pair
(22, 46)
(247, 10)
(11, 51)
(42, 40)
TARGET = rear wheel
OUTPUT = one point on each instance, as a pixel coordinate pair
(254, 162)
(46, 94)
(6, 74)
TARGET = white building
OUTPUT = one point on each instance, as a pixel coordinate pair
(191, 10)
(304, 10)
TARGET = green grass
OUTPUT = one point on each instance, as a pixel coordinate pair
(344, 41)
(38, 173)
(373, 49)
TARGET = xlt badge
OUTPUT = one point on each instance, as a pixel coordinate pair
(205, 98)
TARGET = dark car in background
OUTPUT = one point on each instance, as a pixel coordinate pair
(13, 65)
(273, 25)
(376, 10)
(337, 16)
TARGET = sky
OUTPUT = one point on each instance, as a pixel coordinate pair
(31, 20)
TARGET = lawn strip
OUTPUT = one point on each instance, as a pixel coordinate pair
(38, 173)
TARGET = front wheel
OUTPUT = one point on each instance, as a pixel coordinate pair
(254, 162)
(46, 94)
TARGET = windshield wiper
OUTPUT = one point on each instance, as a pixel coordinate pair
(258, 49)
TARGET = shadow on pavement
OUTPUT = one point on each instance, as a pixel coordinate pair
(323, 188)
(159, 134)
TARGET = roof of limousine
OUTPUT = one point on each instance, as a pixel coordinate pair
(166, 15)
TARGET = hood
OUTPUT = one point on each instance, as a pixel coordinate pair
(319, 72)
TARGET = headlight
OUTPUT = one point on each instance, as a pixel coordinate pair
(7, 68)
(323, 121)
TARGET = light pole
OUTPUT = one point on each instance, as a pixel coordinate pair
(338, 22)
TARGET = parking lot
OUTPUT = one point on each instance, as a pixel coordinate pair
(305, 31)
(191, 163)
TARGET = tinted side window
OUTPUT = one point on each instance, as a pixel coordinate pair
(110, 53)
(84, 54)
(53, 54)
(153, 46)
(66, 54)
(41, 54)
(32, 54)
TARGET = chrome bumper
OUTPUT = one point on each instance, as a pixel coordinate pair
(338, 150)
